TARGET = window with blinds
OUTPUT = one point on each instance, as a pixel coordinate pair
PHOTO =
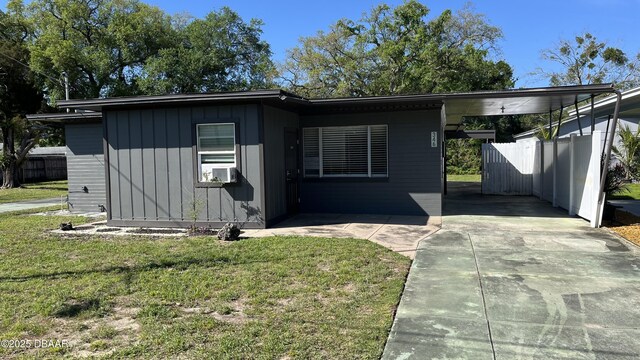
(345, 151)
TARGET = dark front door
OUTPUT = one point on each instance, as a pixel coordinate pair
(291, 168)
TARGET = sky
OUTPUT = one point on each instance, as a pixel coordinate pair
(528, 26)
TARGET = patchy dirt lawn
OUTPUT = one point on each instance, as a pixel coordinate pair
(193, 297)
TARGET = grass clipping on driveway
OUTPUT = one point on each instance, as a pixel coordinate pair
(278, 297)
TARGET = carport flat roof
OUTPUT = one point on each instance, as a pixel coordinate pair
(517, 101)
(457, 105)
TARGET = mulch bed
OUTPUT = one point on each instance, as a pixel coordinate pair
(626, 225)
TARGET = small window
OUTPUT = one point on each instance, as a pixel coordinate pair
(216, 149)
(345, 151)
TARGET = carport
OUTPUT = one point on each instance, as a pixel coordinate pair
(529, 101)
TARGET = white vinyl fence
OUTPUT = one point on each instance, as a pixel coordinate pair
(507, 169)
(565, 172)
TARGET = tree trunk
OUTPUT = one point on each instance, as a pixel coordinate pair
(10, 177)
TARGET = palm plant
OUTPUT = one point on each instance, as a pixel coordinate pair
(628, 150)
(545, 134)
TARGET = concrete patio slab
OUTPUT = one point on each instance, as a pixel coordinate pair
(398, 233)
(547, 286)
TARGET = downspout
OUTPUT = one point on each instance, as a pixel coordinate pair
(607, 157)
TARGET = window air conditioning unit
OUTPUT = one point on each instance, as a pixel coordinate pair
(223, 175)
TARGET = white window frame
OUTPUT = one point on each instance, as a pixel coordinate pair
(200, 153)
(369, 165)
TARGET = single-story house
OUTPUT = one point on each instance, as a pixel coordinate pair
(85, 158)
(601, 113)
(257, 157)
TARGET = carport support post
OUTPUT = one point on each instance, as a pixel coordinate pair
(572, 187)
(555, 171)
(595, 162)
(605, 164)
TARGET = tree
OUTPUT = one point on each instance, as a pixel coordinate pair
(218, 53)
(628, 151)
(19, 95)
(397, 51)
(585, 60)
(101, 44)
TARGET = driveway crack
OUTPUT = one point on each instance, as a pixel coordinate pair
(484, 303)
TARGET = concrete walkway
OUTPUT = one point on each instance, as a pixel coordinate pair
(514, 278)
(630, 206)
(398, 233)
(32, 204)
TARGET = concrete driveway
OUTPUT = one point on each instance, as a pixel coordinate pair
(31, 204)
(514, 278)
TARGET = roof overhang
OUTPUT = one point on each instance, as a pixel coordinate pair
(181, 99)
(68, 118)
(457, 105)
(516, 102)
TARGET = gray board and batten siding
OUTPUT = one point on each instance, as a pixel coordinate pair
(414, 182)
(85, 167)
(276, 121)
(152, 168)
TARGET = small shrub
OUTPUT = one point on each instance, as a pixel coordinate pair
(616, 180)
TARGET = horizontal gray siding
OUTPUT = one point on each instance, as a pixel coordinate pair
(415, 177)
(275, 121)
(85, 167)
(151, 160)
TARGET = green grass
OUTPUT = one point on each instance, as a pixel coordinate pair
(632, 192)
(34, 191)
(194, 297)
(473, 178)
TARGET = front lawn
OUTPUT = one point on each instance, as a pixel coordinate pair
(34, 191)
(136, 297)
(469, 178)
(631, 192)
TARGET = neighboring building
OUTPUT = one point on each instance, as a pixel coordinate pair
(257, 157)
(43, 164)
(602, 114)
(85, 159)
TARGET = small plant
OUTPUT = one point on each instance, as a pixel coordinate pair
(616, 181)
(629, 151)
(195, 208)
(229, 232)
(206, 177)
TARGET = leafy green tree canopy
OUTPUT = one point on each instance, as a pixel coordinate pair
(398, 51)
(218, 53)
(19, 96)
(586, 60)
(101, 44)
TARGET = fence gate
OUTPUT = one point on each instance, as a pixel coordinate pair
(507, 169)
